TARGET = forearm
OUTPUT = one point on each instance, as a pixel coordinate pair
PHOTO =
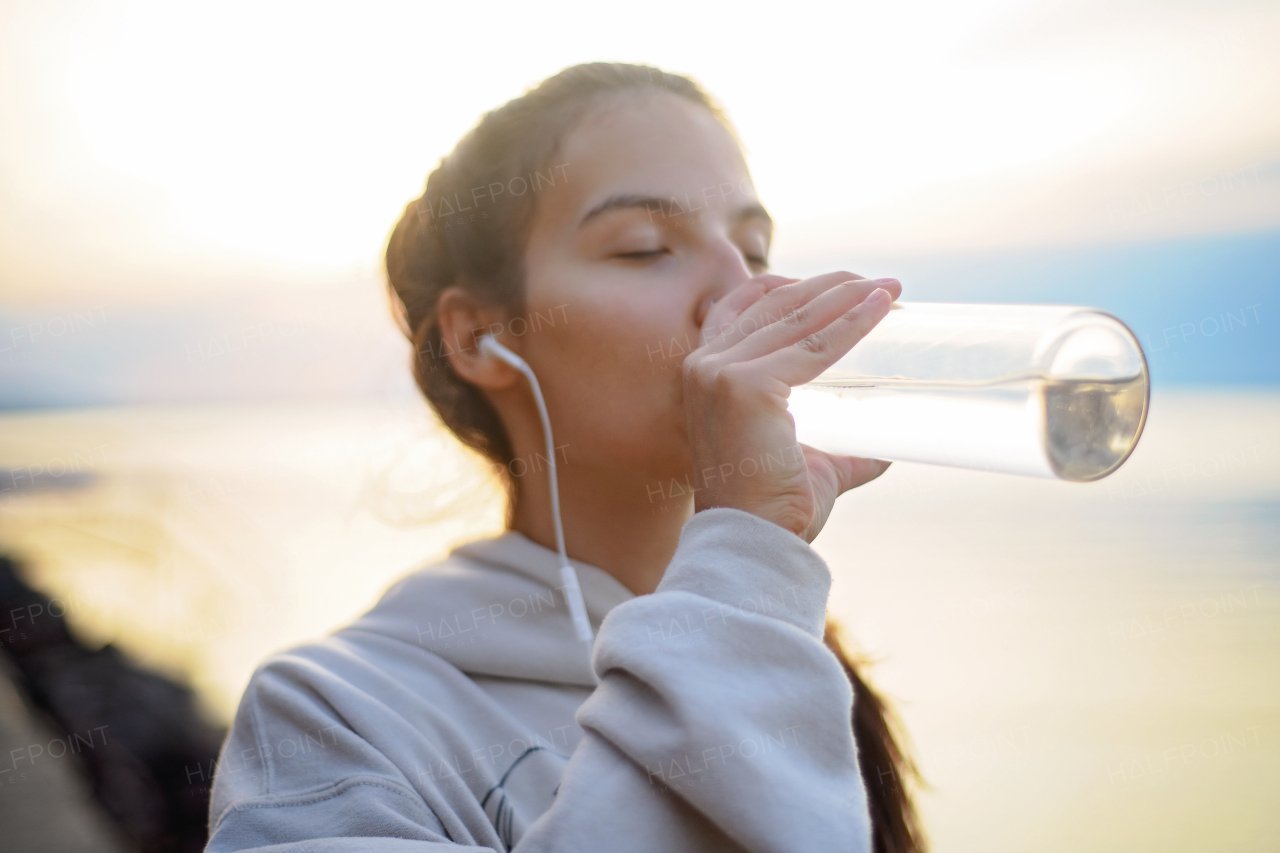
(721, 718)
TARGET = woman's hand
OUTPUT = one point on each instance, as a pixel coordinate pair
(762, 339)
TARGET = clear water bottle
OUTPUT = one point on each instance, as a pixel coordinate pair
(1041, 390)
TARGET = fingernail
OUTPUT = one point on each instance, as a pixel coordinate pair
(886, 281)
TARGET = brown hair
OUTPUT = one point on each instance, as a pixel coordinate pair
(888, 770)
(435, 245)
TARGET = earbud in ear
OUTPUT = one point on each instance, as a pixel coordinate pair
(489, 346)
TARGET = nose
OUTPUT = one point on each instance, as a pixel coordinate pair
(725, 269)
(729, 266)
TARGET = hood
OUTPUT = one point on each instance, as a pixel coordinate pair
(494, 608)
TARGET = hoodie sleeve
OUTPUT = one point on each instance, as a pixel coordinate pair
(721, 720)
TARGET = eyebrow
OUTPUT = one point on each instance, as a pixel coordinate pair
(654, 204)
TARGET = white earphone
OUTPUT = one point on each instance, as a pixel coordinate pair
(568, 577)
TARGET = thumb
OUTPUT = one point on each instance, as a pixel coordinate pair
(830, 476)
(854, 471)
(843, 472)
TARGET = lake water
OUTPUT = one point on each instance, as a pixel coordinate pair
(1081, 667)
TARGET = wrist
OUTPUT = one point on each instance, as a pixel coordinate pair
(783, 513)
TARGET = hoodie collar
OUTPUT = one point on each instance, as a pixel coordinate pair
(515, 552)
(495, 608)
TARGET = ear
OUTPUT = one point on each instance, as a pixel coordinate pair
(464, 319)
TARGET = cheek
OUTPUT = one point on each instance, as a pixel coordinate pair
(617, 380)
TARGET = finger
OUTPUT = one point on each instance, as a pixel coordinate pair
(771, 281)
(808, 319)
(781, 302)
(724, 311)
(803, 360)
(778, 303)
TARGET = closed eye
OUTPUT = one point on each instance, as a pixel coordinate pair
(643, 256)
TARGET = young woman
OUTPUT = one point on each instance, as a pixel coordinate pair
(604, 228)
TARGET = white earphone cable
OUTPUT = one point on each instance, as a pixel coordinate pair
(568, 576)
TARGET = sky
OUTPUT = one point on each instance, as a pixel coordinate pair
(156, 156)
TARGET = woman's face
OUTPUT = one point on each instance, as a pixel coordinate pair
(657, 218)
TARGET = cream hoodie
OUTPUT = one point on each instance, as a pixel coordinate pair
(459, 714)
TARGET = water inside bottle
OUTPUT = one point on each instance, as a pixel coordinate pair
(1074, 429)
(1091, 426)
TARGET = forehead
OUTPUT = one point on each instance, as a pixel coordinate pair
(645, 143)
